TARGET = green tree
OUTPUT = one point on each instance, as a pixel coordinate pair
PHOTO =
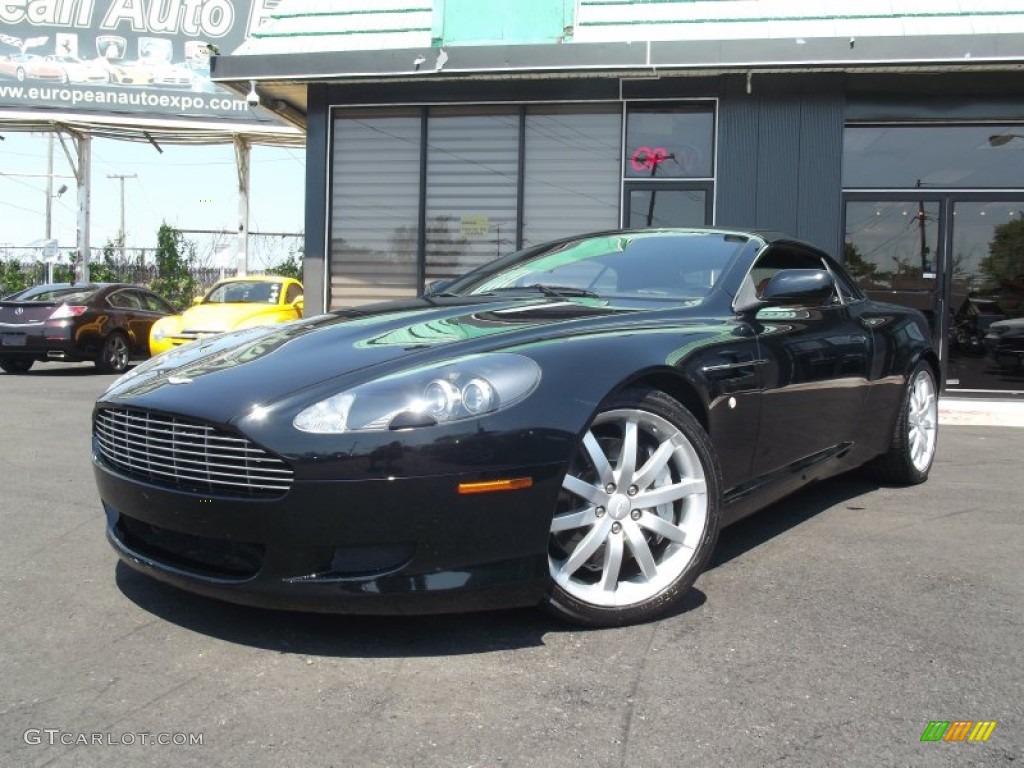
(175, 257)
(109, 269)
(12, 277)
(1003, 268)
(861, 270)
(290, 266)
(64, 273)
(1005, 260)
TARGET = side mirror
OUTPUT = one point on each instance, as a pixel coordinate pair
(197, 300)
(793, 287)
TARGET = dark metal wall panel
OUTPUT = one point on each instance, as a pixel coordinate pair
(780, 157)
(778, 162)
(819, 197)
(315, 258)
(738, 123)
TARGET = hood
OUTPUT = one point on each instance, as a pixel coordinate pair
(217, 318)
(220, 378)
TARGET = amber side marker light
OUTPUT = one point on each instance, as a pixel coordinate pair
(490, 486)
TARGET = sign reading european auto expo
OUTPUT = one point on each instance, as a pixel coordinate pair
(147, 58)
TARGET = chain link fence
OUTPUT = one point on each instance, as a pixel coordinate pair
(214, 258)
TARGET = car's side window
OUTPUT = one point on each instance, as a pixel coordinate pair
(293, 292)
(154, 303)
(779, 257)
(124, 300)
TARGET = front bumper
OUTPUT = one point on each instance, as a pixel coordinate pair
(399, 546)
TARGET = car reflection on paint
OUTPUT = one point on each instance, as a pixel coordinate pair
(568, 426)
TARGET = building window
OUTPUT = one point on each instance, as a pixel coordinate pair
(933, 156)
(571, 170)
(472, 188)
(669, 142)
(423, 194)
(375, 206)
(668, 167)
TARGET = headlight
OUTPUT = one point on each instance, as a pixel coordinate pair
(452, 391)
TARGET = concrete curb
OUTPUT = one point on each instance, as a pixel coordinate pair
(983, 413)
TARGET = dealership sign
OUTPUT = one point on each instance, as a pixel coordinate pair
(144, 58)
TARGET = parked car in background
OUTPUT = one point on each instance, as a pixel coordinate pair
(1004, 344)
(971, 322)
(107, 323)
(29, 66)
(231, 304)
(76, 70)
(569, 425)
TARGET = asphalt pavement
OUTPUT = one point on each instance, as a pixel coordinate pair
(830, 629)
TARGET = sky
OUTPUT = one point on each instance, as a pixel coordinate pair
(189, 187)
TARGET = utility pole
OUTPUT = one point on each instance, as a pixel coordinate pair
(49, 186)
(121, 177)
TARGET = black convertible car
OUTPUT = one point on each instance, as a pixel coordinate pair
(568, 426)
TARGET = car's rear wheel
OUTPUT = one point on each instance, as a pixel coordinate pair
(638, 513)
(115, 354)
(16, 364)
(915, 436)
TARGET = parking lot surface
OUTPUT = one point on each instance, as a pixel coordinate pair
(830, 629)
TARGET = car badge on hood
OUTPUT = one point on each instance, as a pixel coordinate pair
(19, 311)
(179, 380)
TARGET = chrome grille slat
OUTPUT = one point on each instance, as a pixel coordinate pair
(178, 453)
(174, 461)
(175, 444)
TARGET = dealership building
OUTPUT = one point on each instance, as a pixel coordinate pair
(442, 135)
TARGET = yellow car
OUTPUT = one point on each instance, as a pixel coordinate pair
(232, 304)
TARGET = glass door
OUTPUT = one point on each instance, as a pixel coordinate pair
(959, 259)
(986, 289)
(893, 250)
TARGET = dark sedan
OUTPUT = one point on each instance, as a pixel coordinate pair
(107, 323)
(567, 426)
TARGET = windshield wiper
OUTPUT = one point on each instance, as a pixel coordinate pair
(557, 291)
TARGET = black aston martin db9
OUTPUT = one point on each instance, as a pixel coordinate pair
(569, 426)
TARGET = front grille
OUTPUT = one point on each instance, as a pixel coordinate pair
(191, 456)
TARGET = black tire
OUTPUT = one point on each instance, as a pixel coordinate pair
(908, 461)
(16, 364)
(115, 354)
(612, 560)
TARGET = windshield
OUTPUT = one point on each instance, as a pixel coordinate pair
(244, 292)
(649, 265)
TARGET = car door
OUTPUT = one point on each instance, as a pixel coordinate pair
(151, 308)
(816, 364)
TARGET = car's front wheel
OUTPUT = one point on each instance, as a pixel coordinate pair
(115, 354)
(915, 436)
(16, 364)
(638, 514)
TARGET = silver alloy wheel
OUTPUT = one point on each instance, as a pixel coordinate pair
(632, 513)
(922, 420)
(117, 353)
